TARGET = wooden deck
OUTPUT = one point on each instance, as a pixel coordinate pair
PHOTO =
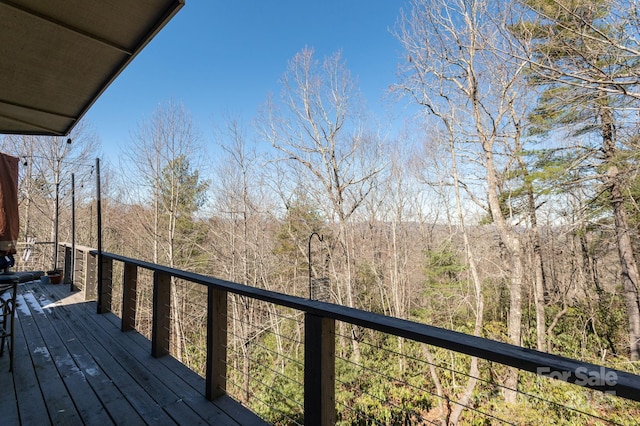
(73, 367)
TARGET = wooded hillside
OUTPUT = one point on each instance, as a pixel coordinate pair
(507, 208)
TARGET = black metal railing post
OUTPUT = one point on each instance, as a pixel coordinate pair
(99, 232)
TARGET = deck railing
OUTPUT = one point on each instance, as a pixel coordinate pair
(319, 332)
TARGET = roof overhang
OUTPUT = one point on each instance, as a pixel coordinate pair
(58, 57)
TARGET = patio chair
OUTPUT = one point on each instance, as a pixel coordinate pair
(8, 293)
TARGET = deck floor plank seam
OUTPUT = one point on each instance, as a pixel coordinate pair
(21, 384)
(142, 366)
(139, 347)
(115, 369)
(227, 404)
(112, 399)
(60, 407)
(196, 383)
(74, 366)
(83, 396)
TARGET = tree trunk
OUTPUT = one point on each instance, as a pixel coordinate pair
(474, 372)
(355, 330)
(445, 410)
(541, 327)
(515, 261)
(629, 268)
(538, 266)
(514, 321)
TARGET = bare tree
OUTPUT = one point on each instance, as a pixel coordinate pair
(242, 242)
(584, 55)
(46, 165)
(453, 72)
(165, 157)
(318, 132)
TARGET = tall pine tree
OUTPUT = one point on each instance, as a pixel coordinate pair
(579, 57)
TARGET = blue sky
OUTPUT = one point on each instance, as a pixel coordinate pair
(224, 57)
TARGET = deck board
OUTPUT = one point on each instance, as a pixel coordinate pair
(73, 366)
(8, 408)
(26, 388)
(86, 355)
(44, 357)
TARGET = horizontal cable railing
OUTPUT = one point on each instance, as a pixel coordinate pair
(265, 359)
(397, 380)
(294, 360)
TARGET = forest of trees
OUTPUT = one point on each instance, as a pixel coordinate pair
(506, 208)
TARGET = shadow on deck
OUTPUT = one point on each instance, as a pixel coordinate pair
(72, 367)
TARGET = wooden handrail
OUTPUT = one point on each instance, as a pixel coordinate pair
(320, 320)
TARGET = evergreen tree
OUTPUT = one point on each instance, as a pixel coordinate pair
(182, 194)
(578, 58)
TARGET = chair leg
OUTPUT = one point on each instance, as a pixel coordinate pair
(2, 344)
(7, 312)
(3, 325)
(13, 328)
